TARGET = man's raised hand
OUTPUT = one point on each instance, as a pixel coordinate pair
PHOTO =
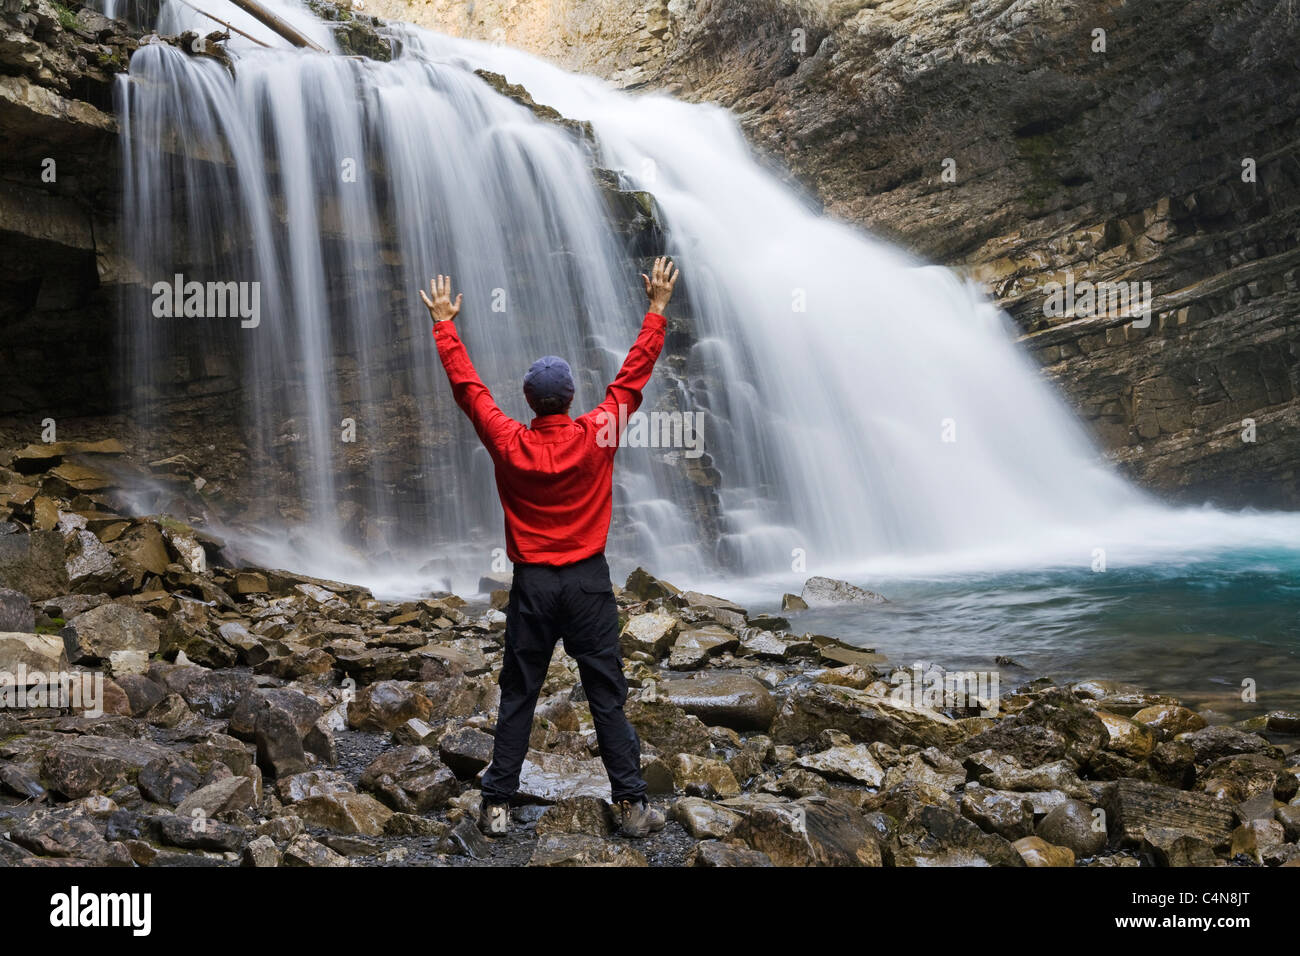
(659, 285)
(442, 309)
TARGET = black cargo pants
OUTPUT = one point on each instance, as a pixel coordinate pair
(573, 602)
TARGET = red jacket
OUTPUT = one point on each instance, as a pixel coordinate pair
(556, 476)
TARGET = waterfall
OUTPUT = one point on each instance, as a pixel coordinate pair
(858, 406)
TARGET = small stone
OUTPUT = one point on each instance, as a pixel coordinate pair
(567, 849)
(643, 586)
(793, 602)
(1126, 736)
(704, 777)
(705, 819)
(1253, 838)
(651, 633)
(1074, 825)
(304, 851)
(853, 763)
(1172, 847)
(1036, 851)
(344, 813)
(1169, 720)
(1009, 815)
(587, 815)
(279, 746)
(715, 853)
(261, 851)
(222, 796)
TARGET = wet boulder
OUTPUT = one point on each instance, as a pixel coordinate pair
(577, 849)
(828, 592)
(1056, 726)
(695, 646)
(1077, 825)
(1210, 743)
(344, 813)
(280, 749)
(302, 710)
(219, 797)
(312, 783)
(216, 693)
(1137, 807)
(810, 832)
(410, 779)
(168, 780)
(68, 834)
(304, 851)
(1007, 814)
(1036, 851)
(704, 777)
(706, 819)
(645, 587)
(1167, 721)
(853, 763)
(715, 853)
(938, 836)
(465, 751)
(720, 698)
(552, 777)
(863, 716)
(386, 705)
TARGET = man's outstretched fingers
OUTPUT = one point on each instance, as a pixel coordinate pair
(441, 308)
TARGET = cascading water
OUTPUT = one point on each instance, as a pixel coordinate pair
(864, 412)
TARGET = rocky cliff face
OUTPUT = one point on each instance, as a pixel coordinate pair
(58, 201)
(1028, 142)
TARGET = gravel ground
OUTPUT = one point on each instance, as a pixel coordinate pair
(356, 749)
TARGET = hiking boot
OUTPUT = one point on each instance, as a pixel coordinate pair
(494, 818)
(637, 819)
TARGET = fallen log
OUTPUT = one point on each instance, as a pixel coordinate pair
(278, 24)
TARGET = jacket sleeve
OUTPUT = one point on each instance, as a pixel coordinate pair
(623, 396)
(494, 427)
